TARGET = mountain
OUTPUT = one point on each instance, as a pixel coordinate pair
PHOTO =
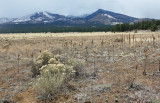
(5, 20)
(101, 17)
(39, 17)
(109, 18)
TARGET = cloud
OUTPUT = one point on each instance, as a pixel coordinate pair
(135, 8)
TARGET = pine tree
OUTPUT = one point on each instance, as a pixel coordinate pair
(153, 27)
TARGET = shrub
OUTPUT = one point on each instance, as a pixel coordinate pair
(49, 84)
(77, 64)
(34, 68)
(54, 73)
(44, 58)
(41, 60)
(63, 59)
(47, 60)
(52, 78)
(59, 68)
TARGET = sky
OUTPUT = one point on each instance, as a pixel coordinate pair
(134, 8)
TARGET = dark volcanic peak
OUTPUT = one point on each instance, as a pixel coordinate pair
(99, 11)
(118, 18)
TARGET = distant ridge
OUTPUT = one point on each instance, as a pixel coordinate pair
(101, 17)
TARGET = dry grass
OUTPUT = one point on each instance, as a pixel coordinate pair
(110, 72)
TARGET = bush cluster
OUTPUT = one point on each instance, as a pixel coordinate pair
(52, 73)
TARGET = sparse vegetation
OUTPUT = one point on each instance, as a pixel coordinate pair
(80, 67)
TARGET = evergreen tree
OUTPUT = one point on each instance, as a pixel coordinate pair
(153, 27)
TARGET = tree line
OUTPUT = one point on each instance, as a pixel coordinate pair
(39, 28)
(152, 25)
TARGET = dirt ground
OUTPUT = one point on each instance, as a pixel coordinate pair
(117, 61)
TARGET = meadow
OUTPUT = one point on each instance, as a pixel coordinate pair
(119, 67)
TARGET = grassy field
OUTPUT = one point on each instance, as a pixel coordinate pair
(119, 67)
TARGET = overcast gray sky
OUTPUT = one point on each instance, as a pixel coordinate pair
(135, 8)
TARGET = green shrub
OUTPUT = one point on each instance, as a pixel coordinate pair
(59, 68)
(54, 74)
(77, 64)
(47, 60)
(52, 78)
(49, 84)
(41, 60)
(44, 58)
